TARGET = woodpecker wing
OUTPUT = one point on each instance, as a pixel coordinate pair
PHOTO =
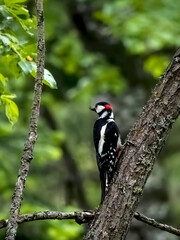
(111, 138)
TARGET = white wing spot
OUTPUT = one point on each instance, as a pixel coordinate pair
(119, 142)
(106, 181)
(103, 155)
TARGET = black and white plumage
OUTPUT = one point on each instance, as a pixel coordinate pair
(107, 143)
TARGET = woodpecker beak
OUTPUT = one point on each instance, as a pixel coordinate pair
(92, 109)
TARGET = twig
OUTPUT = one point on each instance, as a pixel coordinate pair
(156, 224)
(84, 217)
(80, 217)
(31, 139)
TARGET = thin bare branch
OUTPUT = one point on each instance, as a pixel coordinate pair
(154, 223)
(84, 217)
(31, 139)
(80, 217)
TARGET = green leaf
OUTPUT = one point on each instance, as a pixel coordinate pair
(12, 112)
(29, 50)
(4, 40)
(25, 66)
(3, 80)
(11, 109)
(49, 79)
(11, 37)
(10, 62)
(16, 8)
(14, 1)
(5, 97)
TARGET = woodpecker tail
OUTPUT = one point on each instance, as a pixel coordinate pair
(102, 175)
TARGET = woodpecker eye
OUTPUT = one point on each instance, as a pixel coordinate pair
(108, 107)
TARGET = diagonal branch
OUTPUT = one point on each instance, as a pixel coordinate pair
(84, 217)
(31, 139)
(143, 145)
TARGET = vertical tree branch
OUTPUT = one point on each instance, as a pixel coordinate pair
(32, 136)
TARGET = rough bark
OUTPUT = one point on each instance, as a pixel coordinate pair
(143, 145)
(31, 139)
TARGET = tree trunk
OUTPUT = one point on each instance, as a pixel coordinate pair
(142, 147)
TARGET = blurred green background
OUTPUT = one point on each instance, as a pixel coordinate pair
(96, 50)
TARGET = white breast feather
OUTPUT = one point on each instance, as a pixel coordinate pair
(102, 137)
(101, 141)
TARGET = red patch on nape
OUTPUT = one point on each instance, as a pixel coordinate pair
(107, 106)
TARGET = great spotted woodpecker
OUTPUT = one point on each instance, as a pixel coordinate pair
(107, 143)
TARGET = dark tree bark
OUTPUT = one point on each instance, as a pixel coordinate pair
(142, 147)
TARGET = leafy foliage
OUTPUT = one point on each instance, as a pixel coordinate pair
(21, 14)
(18, 54)
(142, 25)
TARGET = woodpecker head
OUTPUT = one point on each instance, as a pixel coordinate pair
(103, 109)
